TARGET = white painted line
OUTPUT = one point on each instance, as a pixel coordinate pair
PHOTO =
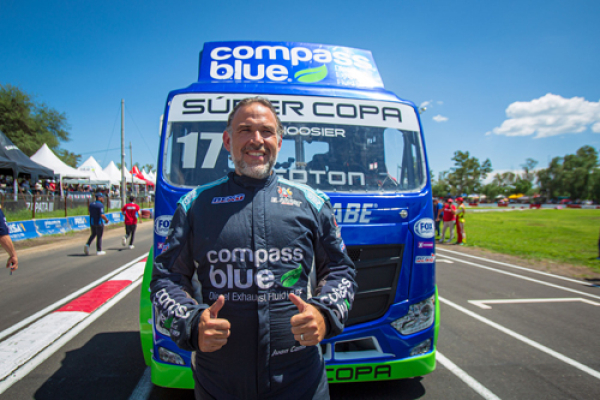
(533, 271)
(466, 378)
(54, 347)
(566, 289)
(65, 300)
(144, 387)
(20, 348)
(484, 303)
(523, 339)
(443, 260)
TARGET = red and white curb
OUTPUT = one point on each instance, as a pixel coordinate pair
(28, 348)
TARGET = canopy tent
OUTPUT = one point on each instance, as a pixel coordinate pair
(46, 157)
(136, 172)
(148, 176)
(95, 174)
(129, 177)
(14, 162)
(113, 173)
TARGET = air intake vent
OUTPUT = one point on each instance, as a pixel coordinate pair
(378, 269)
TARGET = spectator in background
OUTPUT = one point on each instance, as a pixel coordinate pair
(97, 220)
(38, 188)
(131, 211)
(449, 218)
(7, 244)
(437, 215)
(26, 189)
(52, 187)
(461, 236)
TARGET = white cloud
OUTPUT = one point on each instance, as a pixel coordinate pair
(425, 104)
(550, 115)
(440, 118)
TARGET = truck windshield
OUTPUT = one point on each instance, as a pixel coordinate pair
(327, 156)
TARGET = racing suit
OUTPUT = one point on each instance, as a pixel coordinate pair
(254, 241)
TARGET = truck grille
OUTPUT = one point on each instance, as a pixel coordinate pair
(378, 269)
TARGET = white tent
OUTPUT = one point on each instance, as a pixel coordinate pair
(148, 176)
(96, 175)
(113, 173)
(47, 158)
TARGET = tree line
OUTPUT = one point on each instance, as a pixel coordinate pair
(574, 176)
(29, 124)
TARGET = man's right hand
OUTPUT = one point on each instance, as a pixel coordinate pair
(213, 331)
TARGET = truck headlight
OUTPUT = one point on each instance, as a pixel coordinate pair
(169, 356)
(419, 317)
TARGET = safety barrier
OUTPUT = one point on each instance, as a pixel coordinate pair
(20, 230)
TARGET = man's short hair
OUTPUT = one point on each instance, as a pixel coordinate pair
(251, 100)
(131, 198)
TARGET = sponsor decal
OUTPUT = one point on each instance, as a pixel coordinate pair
(290, 278)
(359, 372)
(166, 303)
(424, 228)
(229, 199)
(425, 259)
(300, 63)
(339, 298)
(425, 245)
(353, 213)
(257, 298)
(292, 349)
(285, 197)
(162, 224)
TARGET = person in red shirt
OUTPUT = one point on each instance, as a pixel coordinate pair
(449, 218)
(131, 211)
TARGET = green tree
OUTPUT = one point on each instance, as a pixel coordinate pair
(440, 187)
(30, 124)
(149, 167)
(571, 175)
(577, 171)
(467, 174)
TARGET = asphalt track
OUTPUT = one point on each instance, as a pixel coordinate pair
(506, 332)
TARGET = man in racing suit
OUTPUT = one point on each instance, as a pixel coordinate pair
(255, 273)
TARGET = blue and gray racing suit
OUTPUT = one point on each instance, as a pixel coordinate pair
(254, 241)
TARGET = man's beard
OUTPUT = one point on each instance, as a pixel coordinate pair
(254, 171)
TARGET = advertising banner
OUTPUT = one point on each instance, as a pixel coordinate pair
(115, 217)
(22, 230)
(79, 223)
(52, 226)
(291, 63)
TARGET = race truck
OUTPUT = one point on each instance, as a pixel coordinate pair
(345, 135)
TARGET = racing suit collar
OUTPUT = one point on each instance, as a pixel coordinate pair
(252, 183)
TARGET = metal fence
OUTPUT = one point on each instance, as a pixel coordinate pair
(41, 206)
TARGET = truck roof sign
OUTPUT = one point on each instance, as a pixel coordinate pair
(288, 62)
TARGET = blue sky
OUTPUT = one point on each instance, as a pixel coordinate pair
(503, 80)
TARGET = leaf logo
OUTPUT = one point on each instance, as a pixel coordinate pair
(312, 75)
(290, 278)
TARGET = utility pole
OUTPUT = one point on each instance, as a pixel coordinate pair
(123, 182)
(131, 159)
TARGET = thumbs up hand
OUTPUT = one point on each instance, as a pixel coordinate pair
(308, 326)
(213, 331)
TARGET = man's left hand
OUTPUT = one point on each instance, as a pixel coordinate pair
(308, 326)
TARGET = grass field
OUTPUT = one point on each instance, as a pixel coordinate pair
(564, 236)
(25, 215)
